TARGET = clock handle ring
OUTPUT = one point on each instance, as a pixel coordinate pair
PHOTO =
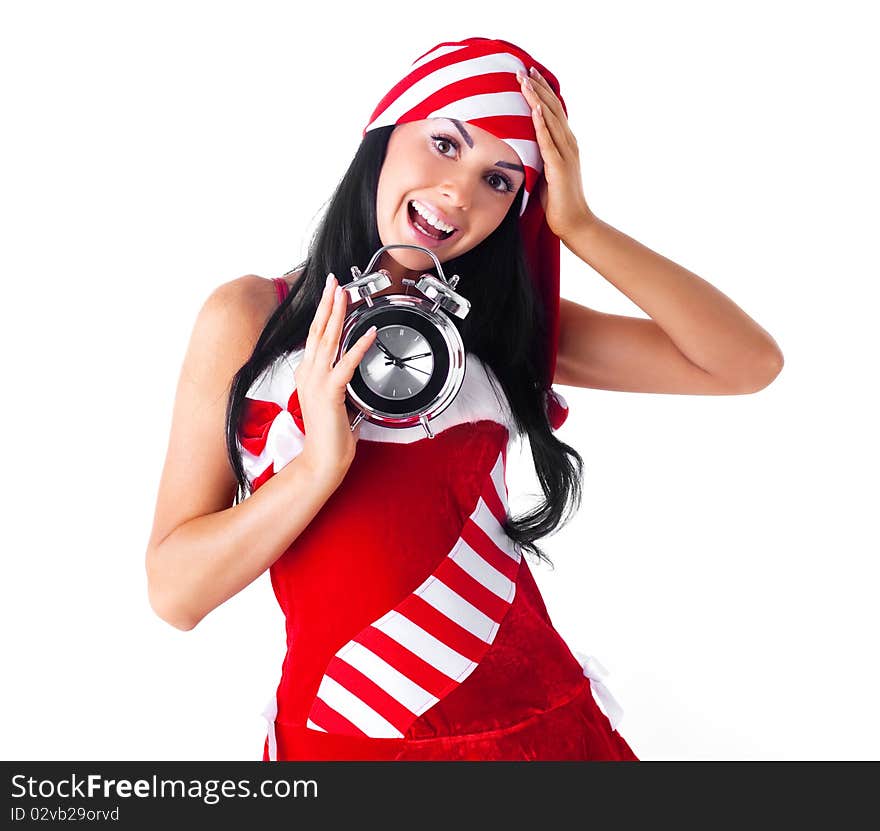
(428, 251)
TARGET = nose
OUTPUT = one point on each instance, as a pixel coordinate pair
(458, 190)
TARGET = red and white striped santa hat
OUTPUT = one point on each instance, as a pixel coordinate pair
(474, 80)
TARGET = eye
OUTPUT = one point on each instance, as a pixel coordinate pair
(445, 140)
(507, 186)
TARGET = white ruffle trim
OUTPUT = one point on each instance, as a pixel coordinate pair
(596, 672)
(269, 713)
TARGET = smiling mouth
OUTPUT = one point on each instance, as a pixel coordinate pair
(429, 230)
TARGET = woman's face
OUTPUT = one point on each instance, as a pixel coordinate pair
(461, 173)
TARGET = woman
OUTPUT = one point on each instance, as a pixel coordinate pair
(415, 629)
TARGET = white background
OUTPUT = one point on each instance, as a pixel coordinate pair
(723, 566)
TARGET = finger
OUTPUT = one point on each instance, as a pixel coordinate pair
(538, 79)
(330, 340)
(551, 96)
(558, 126)
(354, 355)
(316, 329)
(540, 93)
(534, 100)
(546, 143)
(554, 115)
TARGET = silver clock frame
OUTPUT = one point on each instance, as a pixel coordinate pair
(438, 301)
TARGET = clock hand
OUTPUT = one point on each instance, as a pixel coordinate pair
(394, 359)
(402, 365)
(386, 350)
(408, 358)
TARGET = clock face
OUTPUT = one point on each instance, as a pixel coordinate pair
(399, 364)
(411, 363)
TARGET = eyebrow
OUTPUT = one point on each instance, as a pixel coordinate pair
(470, 143)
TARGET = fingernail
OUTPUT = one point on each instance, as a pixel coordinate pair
(534, 72)
(338, 293)
(329, 278)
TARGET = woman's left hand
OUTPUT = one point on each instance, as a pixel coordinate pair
(560, 188)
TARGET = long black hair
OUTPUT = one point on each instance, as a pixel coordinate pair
(504, 328)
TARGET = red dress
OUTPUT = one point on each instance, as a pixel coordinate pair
(415, 630)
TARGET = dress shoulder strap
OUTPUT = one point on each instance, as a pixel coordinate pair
(281, 288)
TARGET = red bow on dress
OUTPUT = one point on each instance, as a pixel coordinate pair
(259, 420)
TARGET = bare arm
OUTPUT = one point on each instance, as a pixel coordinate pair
(633, 354)
(698, 341)
(210, 558)
(202, 551)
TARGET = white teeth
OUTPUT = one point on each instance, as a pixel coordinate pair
(430, 218)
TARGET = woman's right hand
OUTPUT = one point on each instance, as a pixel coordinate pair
(330, 442)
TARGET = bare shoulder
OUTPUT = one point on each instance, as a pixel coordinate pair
(244, 304)
(249, 299)
(225, 331)
(260, 292)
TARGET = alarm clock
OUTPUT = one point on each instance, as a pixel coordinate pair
(416, 364)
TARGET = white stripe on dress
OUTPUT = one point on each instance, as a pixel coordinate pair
(483, 572)
(485, 519)
(497, 476)
(456, 608)
(422, 643)
(381, 673)
(362, 716)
